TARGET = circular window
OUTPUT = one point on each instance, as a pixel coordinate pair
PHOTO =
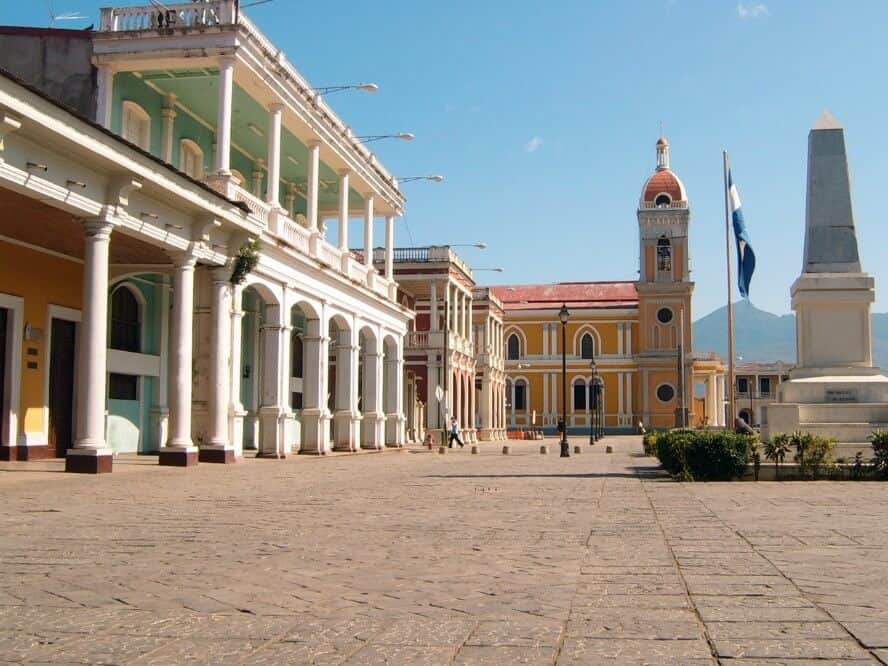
(665, 393)
(664, 315)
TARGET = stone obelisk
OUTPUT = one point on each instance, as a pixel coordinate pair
(834, 390)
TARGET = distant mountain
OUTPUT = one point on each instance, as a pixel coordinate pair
(761, 336)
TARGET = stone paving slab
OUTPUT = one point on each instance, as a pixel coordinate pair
(414, 558)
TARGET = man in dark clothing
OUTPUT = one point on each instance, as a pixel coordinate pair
(454, 433)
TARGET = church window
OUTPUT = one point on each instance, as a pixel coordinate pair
(579, 391)
(665, 393)
(520, 395)
(125, 324)
(136, 125)
(513, 353)
(664, 315)
(587, 347)
(664, 255)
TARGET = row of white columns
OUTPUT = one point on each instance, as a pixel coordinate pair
(90, 452)
(458, 308)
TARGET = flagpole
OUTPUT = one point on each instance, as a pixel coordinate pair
(729, 422)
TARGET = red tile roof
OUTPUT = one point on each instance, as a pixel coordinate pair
(663, 181)
(573, 294)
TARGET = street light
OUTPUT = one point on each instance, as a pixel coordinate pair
(564, 315)
(403, 136)
(364, 87)
(433, 178)
(594, 406)
(480, 245)
(599, 408)
(498, 269)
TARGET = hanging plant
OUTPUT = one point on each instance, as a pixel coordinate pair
(245, 262)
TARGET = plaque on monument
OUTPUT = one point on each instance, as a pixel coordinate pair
(841, 395)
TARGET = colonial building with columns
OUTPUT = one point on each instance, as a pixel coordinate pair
(443, 346)
(167, 283)
(490, 372)
(633, 337)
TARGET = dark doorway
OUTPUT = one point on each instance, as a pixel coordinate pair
(3, 389)
(61, 387)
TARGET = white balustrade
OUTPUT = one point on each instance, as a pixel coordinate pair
(174, 15)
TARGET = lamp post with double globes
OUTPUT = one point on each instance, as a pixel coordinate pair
(563, 316)
(599, 408)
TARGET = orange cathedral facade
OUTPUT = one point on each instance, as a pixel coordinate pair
(633, 339)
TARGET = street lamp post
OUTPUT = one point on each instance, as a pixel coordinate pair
(435, 178)
(564, 315)
(593, 407)
(363, 87)
(599, 407)
(403, 136)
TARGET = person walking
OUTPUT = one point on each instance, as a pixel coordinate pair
(454, 433)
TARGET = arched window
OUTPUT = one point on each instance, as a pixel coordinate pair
(579, 396)
(125, 324)
(191, 159)
(664, 255)
(520, 395)
(135, 125)
(587, 346)
(513, 353)
(662, 201)
(508, 394)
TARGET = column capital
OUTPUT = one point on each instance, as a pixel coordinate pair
(344, 173)
(183, 260)
(313, 143)
(226, 61)
(98, 227)
(275, 107)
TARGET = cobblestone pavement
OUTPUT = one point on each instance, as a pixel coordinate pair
(418, 558)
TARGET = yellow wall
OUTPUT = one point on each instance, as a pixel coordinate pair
(42, 280)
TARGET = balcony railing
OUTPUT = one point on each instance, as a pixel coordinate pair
(755, 395)
(423, 340)
(178, 15)
(674, 204)
(425, 255)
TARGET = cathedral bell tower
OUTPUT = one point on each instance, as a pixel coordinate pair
(664, 295)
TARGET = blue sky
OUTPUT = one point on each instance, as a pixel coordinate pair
(543, 118)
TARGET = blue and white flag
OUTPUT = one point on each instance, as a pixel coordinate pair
(745, 255)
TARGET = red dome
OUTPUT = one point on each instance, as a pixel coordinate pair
(663, 182)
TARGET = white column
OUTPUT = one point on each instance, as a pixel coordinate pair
(258, 164)
(620, 398)
(545, 340)
(159, 410)
(629, 407)
(90, 453)
(223, 118)
(314, 167)
(621, 326)
(389, 247)
(236, 414)
(473, 417)
(180, 451)
(346, 418)
(433, 307)
(315, 435)
(368, 230)
(343, 209)
(269, 392)
(290, 199)
(629, 339)
(272, 191)
(395, 417)
(220, 448)
(104, 95)
(373, 418)
(168, 114)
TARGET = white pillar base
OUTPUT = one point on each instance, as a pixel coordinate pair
(270, 433)
(373, 431)
(315, 432)
(346, 431)
(178, 456)
(89, 461)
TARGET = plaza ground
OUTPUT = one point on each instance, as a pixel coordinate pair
(417, 558)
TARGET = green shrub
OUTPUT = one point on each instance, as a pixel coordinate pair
(879, 439)
(704, 455)
(814, 454)
(718, 456)
(776, 450)
(671, 447)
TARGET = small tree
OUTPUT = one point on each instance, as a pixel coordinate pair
(756, 450)
(776, 450)
(879, 439)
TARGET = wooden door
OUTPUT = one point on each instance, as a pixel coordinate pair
(3, 389)
(61, 388)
